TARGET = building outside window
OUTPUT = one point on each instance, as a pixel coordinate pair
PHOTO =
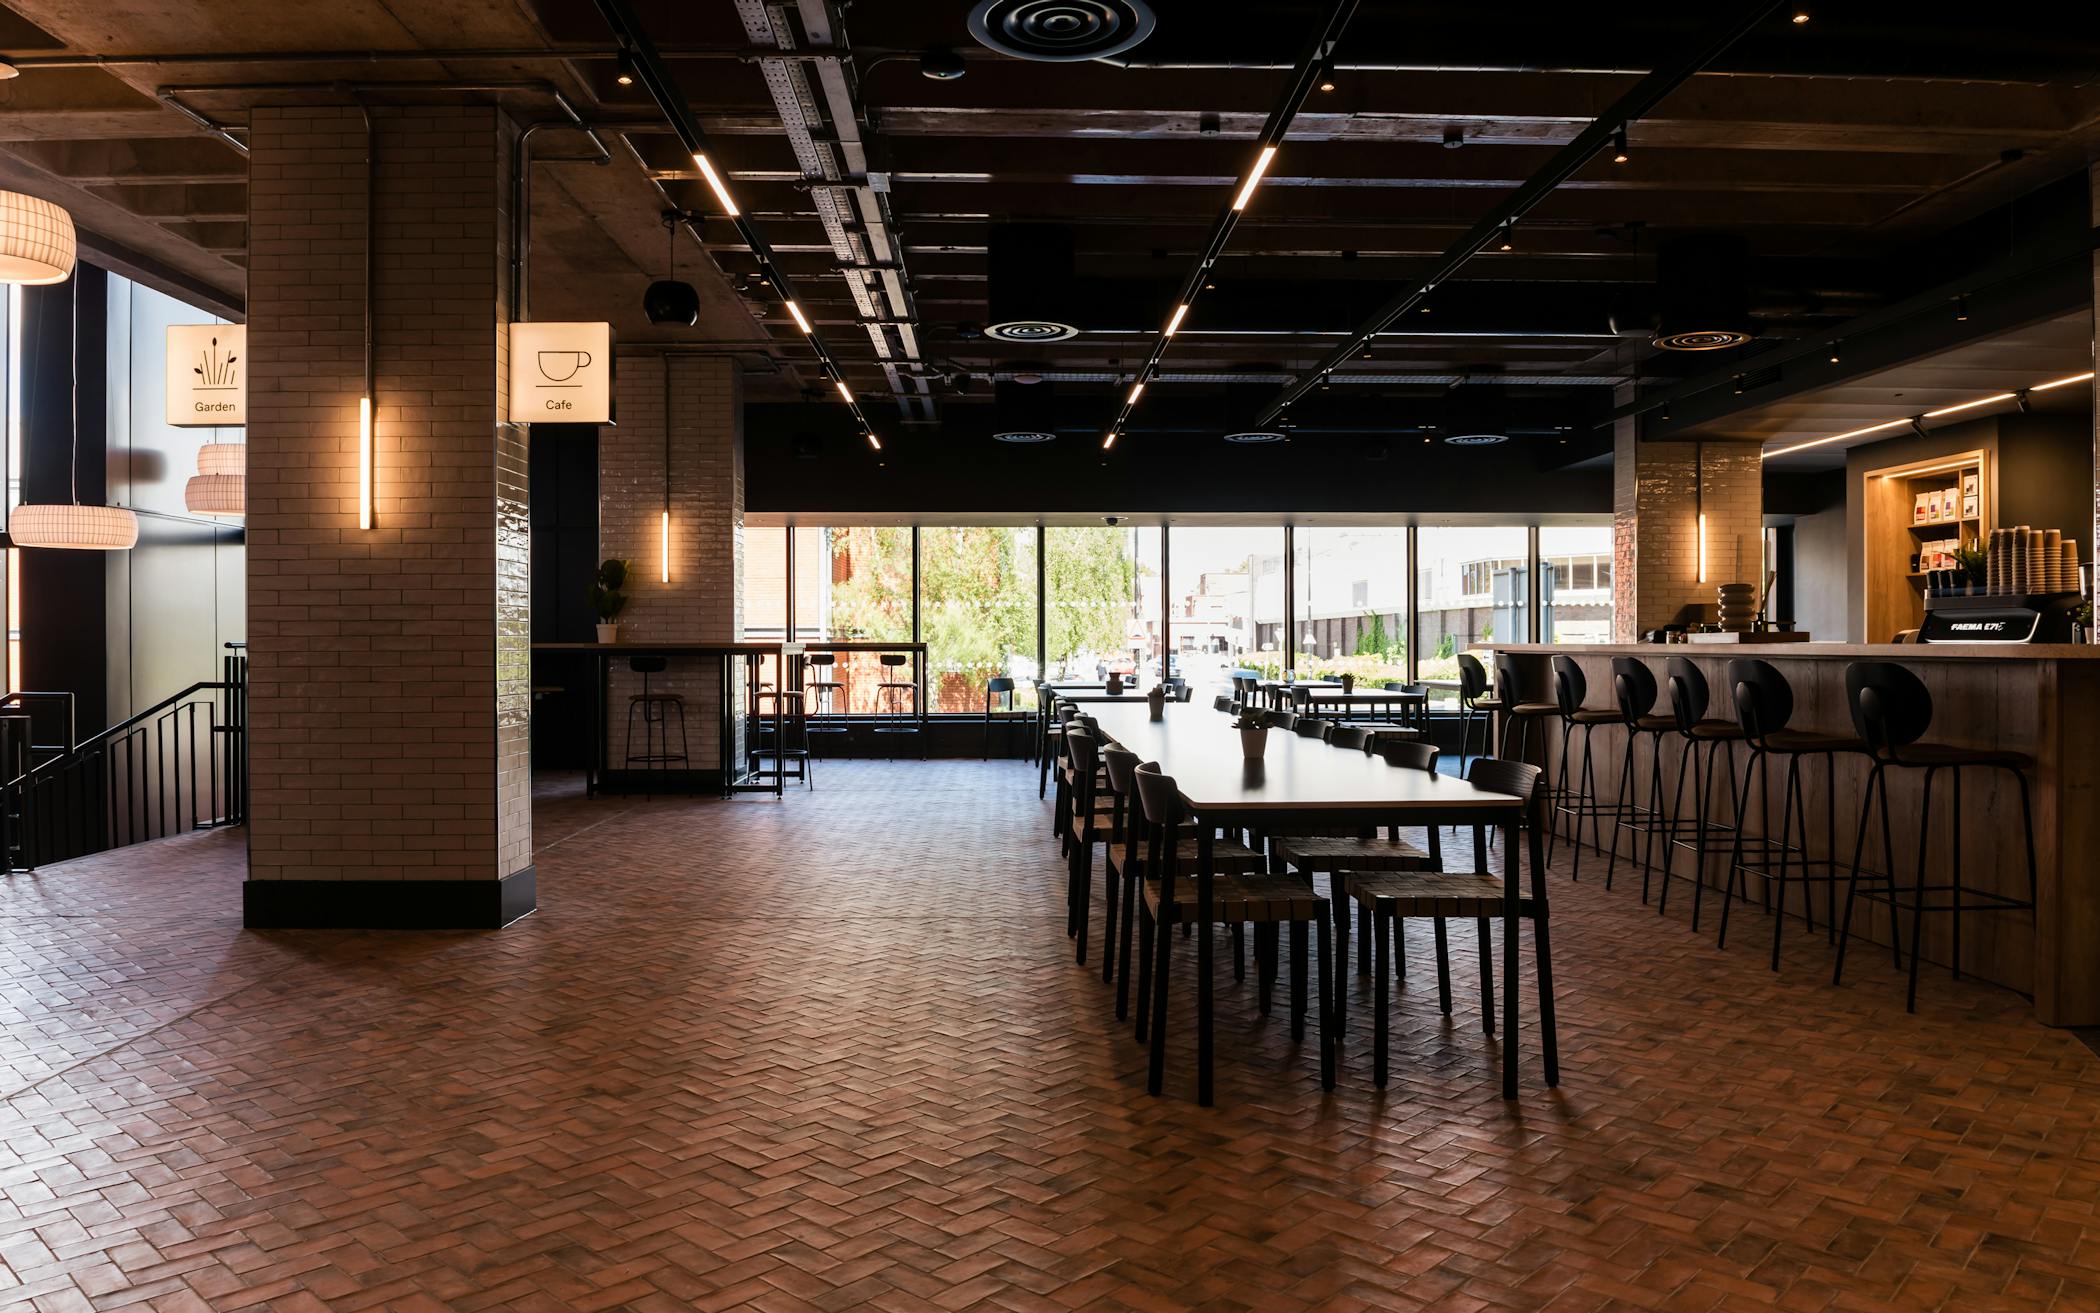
(1575, 584)
(1349, 603)
(1225, 587)
(977, 613)
(1102, 601)
(1473, 588)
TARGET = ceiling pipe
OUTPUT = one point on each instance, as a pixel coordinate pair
(171, 96)
(743, 54)
(1640, 99)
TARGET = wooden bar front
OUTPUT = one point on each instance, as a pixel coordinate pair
(2042, 700)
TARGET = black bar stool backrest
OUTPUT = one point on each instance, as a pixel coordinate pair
(1764, 701)
(1409, 753)
(1349, 736)
(1122, 769)
(1689, 696)
(1891, 707)
(647, 665)
(1506, 680)
(1472, 676)
(1635, 685)
(823, 658)
(999, 684)
(1570, 688)
(894, 658)
(1311, 727)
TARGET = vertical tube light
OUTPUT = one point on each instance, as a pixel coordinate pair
(364, 462)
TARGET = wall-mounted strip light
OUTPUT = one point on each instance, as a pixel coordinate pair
(795, 313)
(714, 180)
(1180, 313)
(663, 544)
(1261, 166)
(364, 462)
(1906, 421)
(1702, 547)
(663, 524)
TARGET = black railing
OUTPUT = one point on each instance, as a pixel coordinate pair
(179, 765)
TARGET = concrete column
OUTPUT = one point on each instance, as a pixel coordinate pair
(702, 602)
(390, 700)
(1658, 492)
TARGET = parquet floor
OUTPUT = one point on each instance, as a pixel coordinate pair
(833, 1054)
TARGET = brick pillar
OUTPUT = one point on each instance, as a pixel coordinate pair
(703, 601)
(390, 699)
(1658, 490)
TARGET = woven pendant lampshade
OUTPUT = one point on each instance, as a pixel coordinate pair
(221, 485)
(37, 245)
(77, 528)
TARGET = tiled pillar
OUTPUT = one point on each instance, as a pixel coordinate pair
(2093, 541)
(1658, 491)
(702, 602)
(390, 701)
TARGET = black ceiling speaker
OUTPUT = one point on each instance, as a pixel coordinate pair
(1061, 31)
(1029, 268)
(1702, 290)
(669, 301)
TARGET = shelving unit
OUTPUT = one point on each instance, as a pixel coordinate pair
(1895, 593)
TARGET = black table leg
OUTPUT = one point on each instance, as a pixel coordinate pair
(1205, 859)
(1510, 907)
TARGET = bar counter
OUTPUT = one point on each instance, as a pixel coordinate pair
(2041, 699)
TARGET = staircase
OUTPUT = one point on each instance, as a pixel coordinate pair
(179, 765)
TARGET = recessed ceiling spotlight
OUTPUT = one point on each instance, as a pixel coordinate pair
(1619, 154)
(1508, 241)
(1800, 15)
(1837, 353)
(623, 72)
(1454, 137)
(1254, 437)
(1961, 309)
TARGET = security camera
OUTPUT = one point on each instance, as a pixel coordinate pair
(1112, 520)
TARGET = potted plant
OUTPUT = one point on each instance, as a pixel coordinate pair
(1156, 702)
(1254, 735)
(607, 599)
(1348, 683)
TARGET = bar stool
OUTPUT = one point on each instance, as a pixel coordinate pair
(1517, 714)
(1689, 699)
(1892, 709)
(656, 710)
(1764, 704)
(896, 701)
(1570, 691)
(794, 737)
(1473, 699)
(1637, 693)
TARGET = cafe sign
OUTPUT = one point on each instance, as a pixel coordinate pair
(207, 375)
(561, 373)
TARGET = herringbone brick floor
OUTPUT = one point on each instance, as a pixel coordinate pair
(833, 1054)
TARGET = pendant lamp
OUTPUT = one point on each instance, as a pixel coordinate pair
(221, 484)
(69, 525)
(37, 245)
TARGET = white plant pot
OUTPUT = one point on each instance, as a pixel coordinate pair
(608, 633)
(1254, 743)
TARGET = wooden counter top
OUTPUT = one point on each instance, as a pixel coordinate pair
(1824, 651)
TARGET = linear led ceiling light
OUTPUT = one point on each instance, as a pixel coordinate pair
(1908, 420)
(714, 181)
(1261, 166)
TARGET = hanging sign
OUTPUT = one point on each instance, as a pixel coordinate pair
(207, 375)
(561, 373)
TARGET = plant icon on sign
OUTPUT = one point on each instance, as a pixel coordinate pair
(214, 368)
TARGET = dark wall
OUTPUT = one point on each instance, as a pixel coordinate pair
(564, 489)
(791, 468)
(63, 592)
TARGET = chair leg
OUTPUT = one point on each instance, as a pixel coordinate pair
(1549, 1029)
(1620, 811)
(1954, 875)
(1299, 952)
(1083, 888)
(1264, 965)
(1338, 961)
(1239, 952)
(1487, 976)
(1328, 1016)
(1147, 932)
(1735, 852)
(1130, 914)
(1443, 968)
(1917, 908)
(1380, 992)
(1687, 764)
(1859, 849)
(1156, 1077)
(1787, 808)
(1109, 893)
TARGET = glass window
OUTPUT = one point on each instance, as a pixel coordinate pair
(977, 613)
(1473, 589)
(1102, 601)
(1349, 602)
(865, 595)
(812, 581)
(765, 583)
(1575, 606)
(1226, 588)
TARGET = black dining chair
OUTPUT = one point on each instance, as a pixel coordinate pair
(999, 696)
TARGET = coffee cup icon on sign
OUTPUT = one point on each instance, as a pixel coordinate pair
(558, 367)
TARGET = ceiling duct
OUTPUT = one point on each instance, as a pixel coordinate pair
(1024, 413)
(1703, 293)
(1476, 415)
(1029, 267)
(1061, 31)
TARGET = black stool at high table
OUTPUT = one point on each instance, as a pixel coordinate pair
(1892, 710)
(1764, 704)
(1689, 699)
(1570, 691)
(1635, 689)
(657, 710)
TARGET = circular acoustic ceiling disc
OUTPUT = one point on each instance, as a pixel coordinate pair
(1475, 439)
(1024, 437)
(1030, 330)
(1700, 339)
(1254, 437)
(1061, 31)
